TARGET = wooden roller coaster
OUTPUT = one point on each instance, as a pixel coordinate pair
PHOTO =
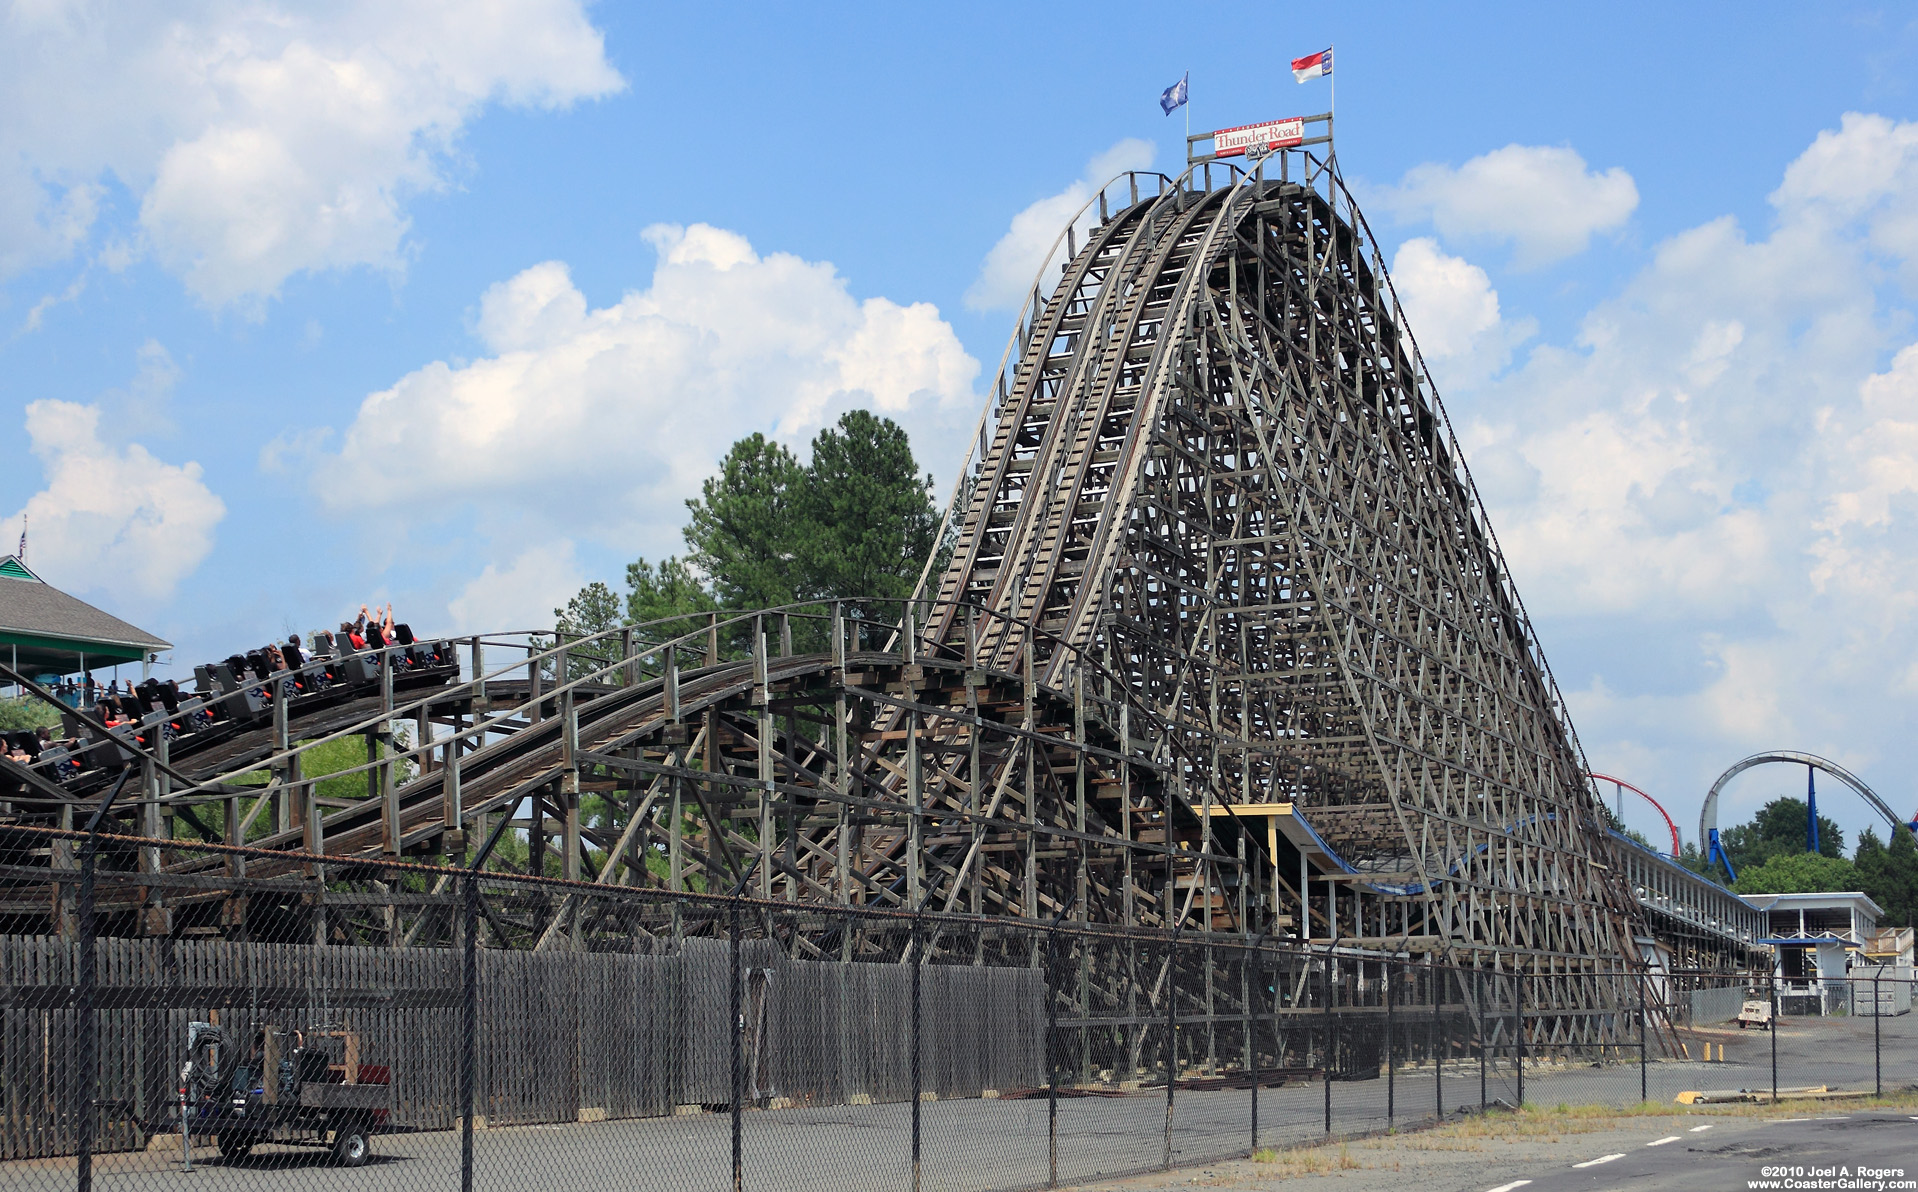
(1225, 645)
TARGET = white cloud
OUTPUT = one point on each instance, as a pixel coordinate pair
(1453, 311)
(609, 418)
(522, 596)
(1866, 170)
(261, 139)
(111, 518)
(143, 407)
(1541, 199)
(47, 302)
(1880, 457)
(1709, 497)
(1005, 277)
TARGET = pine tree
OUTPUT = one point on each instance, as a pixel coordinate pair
(672, 589)
(866, 513)
(745, 533)
(856, 520)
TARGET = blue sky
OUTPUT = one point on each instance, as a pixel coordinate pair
(299, 310)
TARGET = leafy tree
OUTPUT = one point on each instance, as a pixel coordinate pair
(744, 532)
(25, 713)
(1799, 873)
(1889, 874)
(1778, 829)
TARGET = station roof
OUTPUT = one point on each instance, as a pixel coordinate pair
(1835, 900)
(50, 632)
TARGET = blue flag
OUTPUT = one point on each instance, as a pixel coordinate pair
(1174, 96)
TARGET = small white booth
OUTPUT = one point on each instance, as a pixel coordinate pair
(1817, 938)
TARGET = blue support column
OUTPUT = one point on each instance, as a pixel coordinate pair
(1811, 808)
(1716, 852)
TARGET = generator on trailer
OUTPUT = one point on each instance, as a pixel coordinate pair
(291, 1087)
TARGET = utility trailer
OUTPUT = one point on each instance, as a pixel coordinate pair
(287, 1087)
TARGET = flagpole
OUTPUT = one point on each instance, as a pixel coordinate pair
(1332, 105)
(1187, 105)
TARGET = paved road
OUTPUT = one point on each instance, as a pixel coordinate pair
(977, 1145)
(1860, 1152)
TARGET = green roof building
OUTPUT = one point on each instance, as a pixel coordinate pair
(44, 631)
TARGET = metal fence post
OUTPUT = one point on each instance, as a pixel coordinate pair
(1877, 1047)
(1052, 1058)
(1644, 1014)
(1391, 1062)
(1438, 1042)
(1171, 1038)
(1325, 1061)
(84, 1041)
(918, 941)
(1518, 1013)
(1478, 996)
(1774, 1040)
(469, 1023)
(1253, 987)
(738, 999)
(84, 992)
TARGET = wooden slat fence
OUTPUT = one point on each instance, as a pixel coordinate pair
(562, 1036)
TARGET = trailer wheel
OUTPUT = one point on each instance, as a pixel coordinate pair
(351, 1147)
(234, 1146)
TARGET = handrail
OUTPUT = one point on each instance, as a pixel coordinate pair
(210, 788)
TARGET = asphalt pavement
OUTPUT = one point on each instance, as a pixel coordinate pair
(1819, 1152)
(976, 1145)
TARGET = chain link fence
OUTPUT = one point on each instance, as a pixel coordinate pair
(252, 1019)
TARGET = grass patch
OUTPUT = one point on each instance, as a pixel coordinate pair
(1538, 1122)
(1306, 1160)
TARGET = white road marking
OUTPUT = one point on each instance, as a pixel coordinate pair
(1509, 1187)
(1696, 1129)
(1782, 1121)
(1600, 1159)
(1663, 1141)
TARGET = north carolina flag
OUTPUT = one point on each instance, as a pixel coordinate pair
(1312, 65)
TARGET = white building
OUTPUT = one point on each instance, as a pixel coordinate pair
(1816, 939)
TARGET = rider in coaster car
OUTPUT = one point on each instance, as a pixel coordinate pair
(289, 685)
